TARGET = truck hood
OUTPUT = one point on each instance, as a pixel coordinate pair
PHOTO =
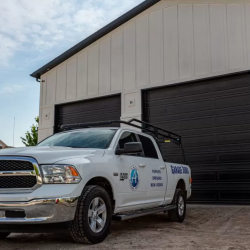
(50, 155)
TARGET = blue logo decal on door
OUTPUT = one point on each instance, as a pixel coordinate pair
(134, 178)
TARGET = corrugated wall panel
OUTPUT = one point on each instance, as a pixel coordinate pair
(236, 30)
(43, 90)
(247, 23)
(129, 57)
(93, 70)
(156, 46)
(61, 80)
(105, 59)
(82, 75)
(186, 51)
(71, 79)
(51, 88)
(142, 51)
(117, 61)
(171, 50)
(201, 39)
(218, 37)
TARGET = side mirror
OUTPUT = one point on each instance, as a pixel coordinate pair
(130, 148)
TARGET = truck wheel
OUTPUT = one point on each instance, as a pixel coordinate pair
(93, 216)
(4, 235)
(178, 214)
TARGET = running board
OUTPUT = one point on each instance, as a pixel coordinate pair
(140, 213)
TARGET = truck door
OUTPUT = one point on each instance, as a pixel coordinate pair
(132, 174)
(156, 172)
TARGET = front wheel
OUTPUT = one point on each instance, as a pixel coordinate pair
(93, 216)
(178, 214)
(4, 235)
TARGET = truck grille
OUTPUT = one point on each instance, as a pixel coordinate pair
(18, 173)
(15, 166)
(17, 181)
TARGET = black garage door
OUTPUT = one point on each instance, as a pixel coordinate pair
(102, 109)
(213, 116)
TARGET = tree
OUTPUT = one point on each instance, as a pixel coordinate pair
(31, 137)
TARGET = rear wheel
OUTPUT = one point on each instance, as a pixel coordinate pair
(178, 214)
(4, 235)
(93, 217)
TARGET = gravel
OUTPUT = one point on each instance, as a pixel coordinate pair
(206, 227)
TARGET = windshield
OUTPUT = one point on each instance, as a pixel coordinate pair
(88, 138)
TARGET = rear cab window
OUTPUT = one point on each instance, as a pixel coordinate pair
(148, 147)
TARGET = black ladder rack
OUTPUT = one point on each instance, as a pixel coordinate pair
(144, 126)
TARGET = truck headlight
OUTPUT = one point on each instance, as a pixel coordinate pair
(60, 174)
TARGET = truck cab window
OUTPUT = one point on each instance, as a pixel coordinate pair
(127, 137)
(148, 147)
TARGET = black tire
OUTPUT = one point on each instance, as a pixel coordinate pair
(80, 229)
(4, 235)
(177, 215)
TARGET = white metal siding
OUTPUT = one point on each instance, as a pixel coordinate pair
(173, 41)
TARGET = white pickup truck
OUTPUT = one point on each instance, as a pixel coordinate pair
(86, 176)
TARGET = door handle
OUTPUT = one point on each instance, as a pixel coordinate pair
(163, 167)
(142, 165)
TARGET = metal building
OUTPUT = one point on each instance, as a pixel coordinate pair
(182, 65)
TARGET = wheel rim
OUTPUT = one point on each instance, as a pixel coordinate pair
(181, 206)
(97, 215)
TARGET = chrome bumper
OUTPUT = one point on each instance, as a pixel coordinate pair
(39, 211)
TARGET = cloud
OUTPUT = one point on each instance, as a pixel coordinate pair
(10, 89)
(41, 25)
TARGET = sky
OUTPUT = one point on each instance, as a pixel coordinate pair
(32, 33)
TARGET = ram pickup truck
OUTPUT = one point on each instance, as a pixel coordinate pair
(82, 178)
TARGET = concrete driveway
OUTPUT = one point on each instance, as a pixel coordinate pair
(225, 228)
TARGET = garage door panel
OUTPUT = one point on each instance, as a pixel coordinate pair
(235, 197)
(82, 118)
(214, 130)
(228, 141)
(201, 177)
(101, 109)
(233, 138)
(91, 105)
(238, 166)
(219, 106)
(218, 90)
(232, 119)
(89, 114)
(232, 82)
(159, 114)
(173, 109)
(233, 101)
(204, 196)
(174, 92)
(194, 123)
(234, 157)
(227, 197)
(214, 120)
(233, 176)
(223, 186)
(219, 153)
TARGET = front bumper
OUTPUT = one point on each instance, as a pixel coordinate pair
(40, 211)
